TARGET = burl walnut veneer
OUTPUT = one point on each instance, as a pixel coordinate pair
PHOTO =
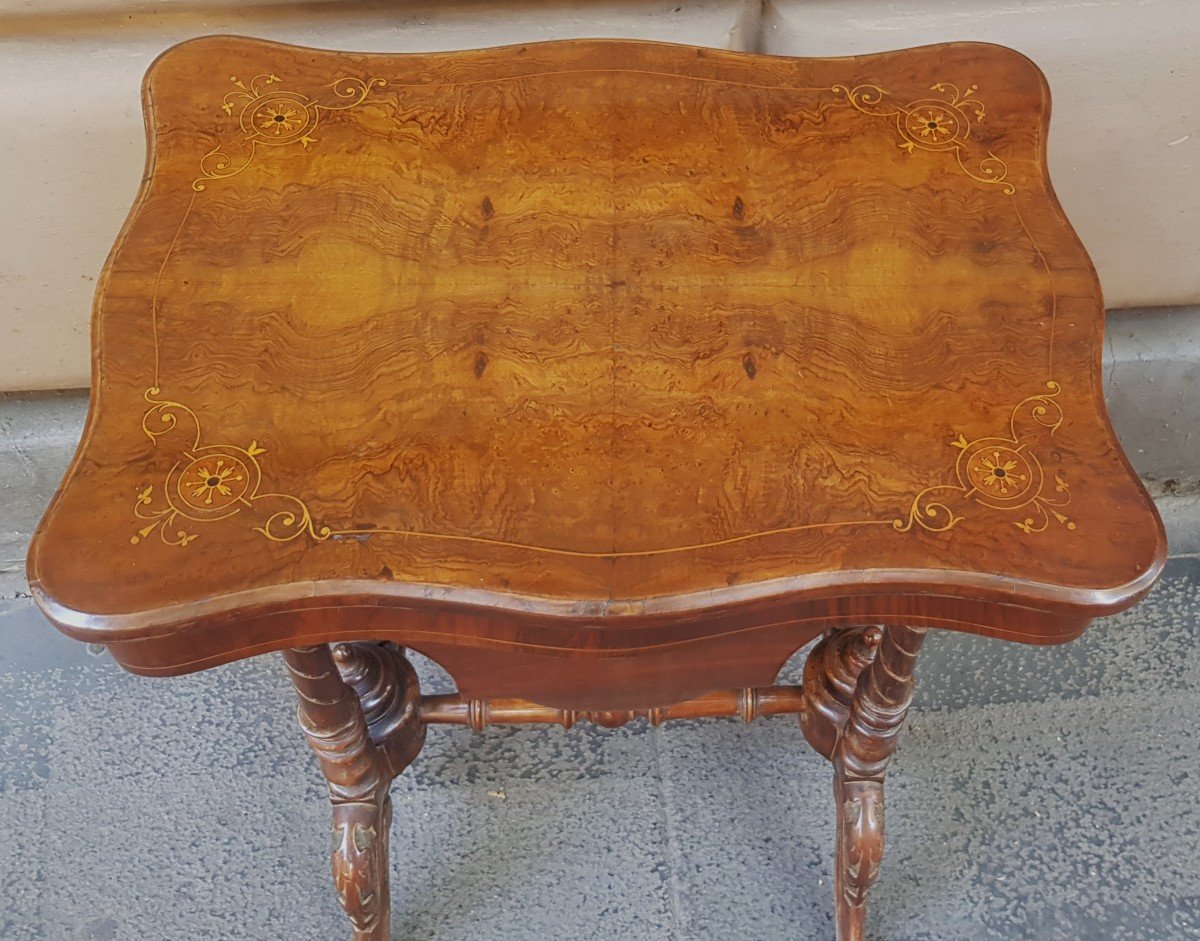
(606, 374)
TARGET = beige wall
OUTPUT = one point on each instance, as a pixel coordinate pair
(1125, 133)
(1125, 143)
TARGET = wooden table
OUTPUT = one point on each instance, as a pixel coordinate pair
(606, 374)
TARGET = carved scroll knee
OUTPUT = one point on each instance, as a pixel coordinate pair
(861, 756)
(364, 727)
(830, 677)
(390, 694)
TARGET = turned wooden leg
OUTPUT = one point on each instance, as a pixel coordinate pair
(359, 713)
(858, 685)
(860, 759)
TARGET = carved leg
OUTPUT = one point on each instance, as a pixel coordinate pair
(390, 695)
(860, 759)
(360, 866)
(364, 729)
(830, 677)
(859, 852)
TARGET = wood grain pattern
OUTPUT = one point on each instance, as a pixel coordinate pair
(621, 360)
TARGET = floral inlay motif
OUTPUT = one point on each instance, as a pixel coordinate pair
(215, 480)
(278, 119)
(938, 124)
(271, 116)
(934, 126)
(1001, 473)
(209, 482)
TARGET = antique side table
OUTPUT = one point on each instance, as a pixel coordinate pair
(606, 374)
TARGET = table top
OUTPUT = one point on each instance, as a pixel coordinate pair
(599, 334)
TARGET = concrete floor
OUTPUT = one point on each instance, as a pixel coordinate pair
(1039, 793)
